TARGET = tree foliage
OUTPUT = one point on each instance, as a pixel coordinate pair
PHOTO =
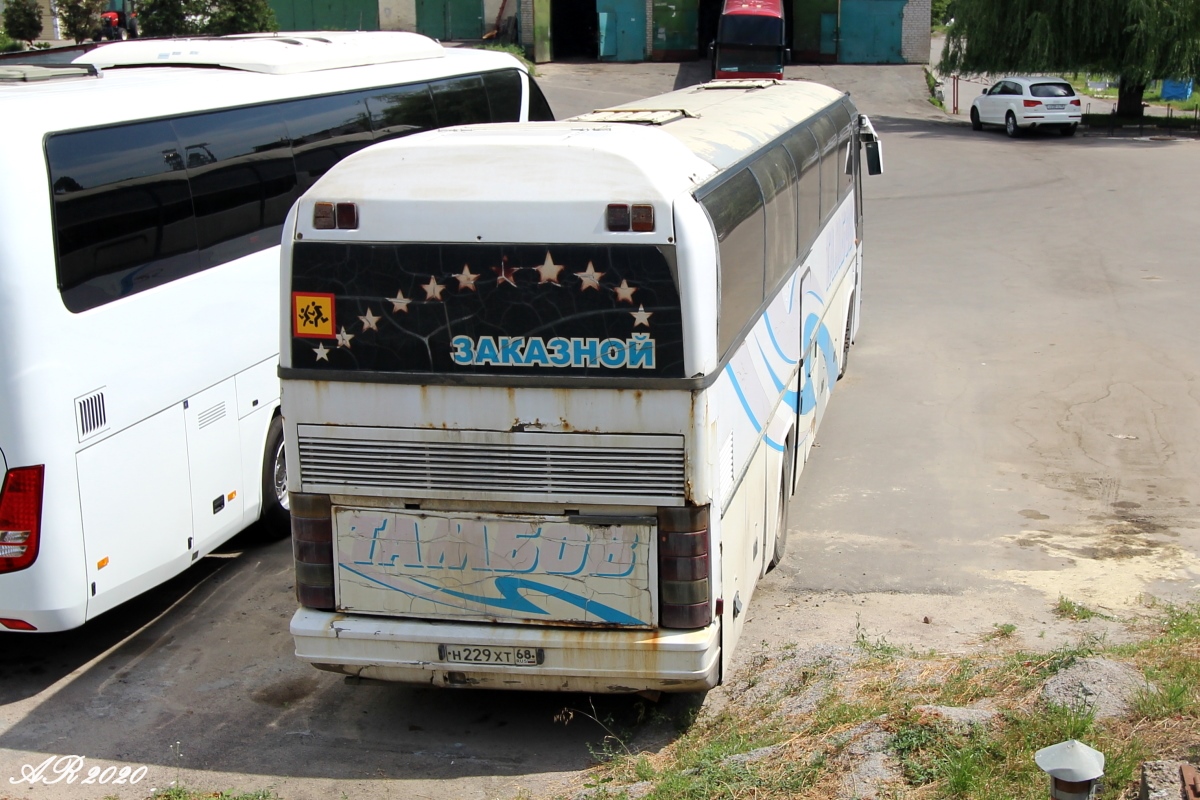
(205, 17)
(80, 18)
(1134, 40)
(23, 20)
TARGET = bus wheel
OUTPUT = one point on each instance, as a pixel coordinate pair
(785, 494)
(276, 519)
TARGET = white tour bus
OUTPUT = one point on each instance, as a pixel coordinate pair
(546, 386)
(148, 182)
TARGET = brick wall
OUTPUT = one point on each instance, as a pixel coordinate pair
(914, 36)
(525, 9)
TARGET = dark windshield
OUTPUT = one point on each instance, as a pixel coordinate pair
(1051, 90)
(751, 60)
(751, 29)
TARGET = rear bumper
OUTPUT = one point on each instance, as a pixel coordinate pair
(1051, 118)
(575, 660)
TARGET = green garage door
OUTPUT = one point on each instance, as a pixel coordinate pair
(871, 32)
(326, 15)
(450, 20)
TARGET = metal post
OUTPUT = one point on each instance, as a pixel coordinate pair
(955, 93)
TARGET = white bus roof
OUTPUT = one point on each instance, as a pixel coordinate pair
(275, 54)
(502, 177)
(724, 121)
(163, 89)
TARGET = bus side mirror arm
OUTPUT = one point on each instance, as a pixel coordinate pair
(870, 140)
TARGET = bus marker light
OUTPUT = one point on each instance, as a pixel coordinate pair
(347, 216)
(16, 624)
(617, 217)
(643, 218)
(20, 517)
(102, 563)
(323, 219)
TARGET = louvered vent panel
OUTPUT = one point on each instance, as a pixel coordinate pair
(90, 414)
(533, 467)
(211, 415)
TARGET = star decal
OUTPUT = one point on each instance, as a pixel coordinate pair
(322, 352)
(549, 270)
(433, 289)
(590, 278)
(505, 273)
(399, 302)
(641, 316)
(625, 292)
(466, 279)
(370, 321)
(343, 338)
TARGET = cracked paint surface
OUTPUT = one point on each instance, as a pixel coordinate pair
(516, 567)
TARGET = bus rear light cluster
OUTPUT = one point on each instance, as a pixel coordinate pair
(328, 216)
(21, 517)
(312, 549)
(684, 584)
(638, 218)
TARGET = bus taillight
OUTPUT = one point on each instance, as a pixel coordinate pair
(21, 517)
(683, 568)
(312, 548)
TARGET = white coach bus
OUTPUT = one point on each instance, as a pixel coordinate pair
(148, 182)
(546, 387)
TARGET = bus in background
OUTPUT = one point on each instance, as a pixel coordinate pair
(139, 269)
(545, 437)
(751, 40)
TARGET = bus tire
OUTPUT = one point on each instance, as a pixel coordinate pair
(785, 495)
(276, 519)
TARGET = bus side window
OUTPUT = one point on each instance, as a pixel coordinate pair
(504, 95)
(777, 177)
(323, 131)
(460, 101)
(830, 168)
(842, 118)
(243, 180)
(803, 149)
(539, 108)
(122, 212)
(736, 210)
(400, 110)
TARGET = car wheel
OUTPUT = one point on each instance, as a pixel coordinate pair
(976, 123)
(1010, 126)
(276, 518)
(1068, 130)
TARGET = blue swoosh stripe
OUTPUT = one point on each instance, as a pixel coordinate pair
(774, 341)
(741, 396)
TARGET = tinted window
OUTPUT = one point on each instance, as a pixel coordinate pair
(539, 109)
(1051, 90)
(504, 95)
(122, 212)
(400, 111)
(830, 168)
(750, 29)
(777, 177)
(736, 209)
(460, 101)
(323, 131)
(803, 149)
(243, 180)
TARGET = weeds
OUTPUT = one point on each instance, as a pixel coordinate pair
(1069, 609)
(880, 649)
(999, 631)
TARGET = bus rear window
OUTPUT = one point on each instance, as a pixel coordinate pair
(465, 309)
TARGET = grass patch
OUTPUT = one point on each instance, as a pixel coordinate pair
(1000, 631)
(1069, 609)
(184, 793)
(807, 754)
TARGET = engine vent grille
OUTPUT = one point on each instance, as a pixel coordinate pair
(211, 415)
(530, 467)
(91, 417)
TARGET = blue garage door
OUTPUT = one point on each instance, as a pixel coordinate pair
(871, 32)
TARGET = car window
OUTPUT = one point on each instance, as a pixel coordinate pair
(1051, 90)
(1013, 88)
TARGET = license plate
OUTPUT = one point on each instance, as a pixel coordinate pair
(502, 656)
(1056, 106)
